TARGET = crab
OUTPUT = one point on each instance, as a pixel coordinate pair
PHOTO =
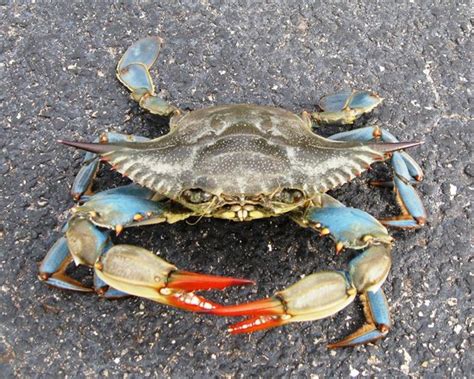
(237, 162)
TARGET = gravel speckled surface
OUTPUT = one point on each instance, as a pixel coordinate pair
(57, 81)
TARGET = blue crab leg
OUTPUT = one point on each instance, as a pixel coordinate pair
(323, 294)
(53, 268)
(378, 323)
(345, 107)
(139, 272)
(133, 71)
(406, 172)
(84, 242)
(117, 211)
(84, 179)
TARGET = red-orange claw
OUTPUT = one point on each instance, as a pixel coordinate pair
(255, 324)
(139, 272)
(191, 281)
(188, 301)
(266, 307)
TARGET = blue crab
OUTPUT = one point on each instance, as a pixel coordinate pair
(237, 162)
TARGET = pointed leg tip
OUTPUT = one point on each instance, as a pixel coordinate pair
(421, 221)
(368, 333)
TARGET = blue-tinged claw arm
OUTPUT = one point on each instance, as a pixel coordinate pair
(124, 270)
(85, 235)
(133, 71)
(406, 173)
(345, 107)
(325, 293)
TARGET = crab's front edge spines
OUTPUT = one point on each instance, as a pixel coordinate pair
(133, 71)
(83, 182)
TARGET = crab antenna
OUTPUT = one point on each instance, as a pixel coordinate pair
(98, 148)
(385, 147)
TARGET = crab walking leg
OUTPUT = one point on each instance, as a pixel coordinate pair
(378, 321)
(406, 172)
(325, 293)
(345, 107)
(83, 243)
(52, 269)
(133, 72)
(139, 272)
(84, 179)
(413, 212)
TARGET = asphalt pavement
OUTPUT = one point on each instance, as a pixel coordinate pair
(57, 80)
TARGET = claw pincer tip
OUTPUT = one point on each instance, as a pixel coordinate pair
(190, 281)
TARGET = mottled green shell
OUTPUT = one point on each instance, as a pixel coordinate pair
(242, 150)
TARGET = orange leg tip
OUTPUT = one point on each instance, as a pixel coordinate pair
(118, 229)
(138, 217)
(421, 220)
(368, 333)
(76, 196)
(324, 232)
(190, 281)
(101, 291)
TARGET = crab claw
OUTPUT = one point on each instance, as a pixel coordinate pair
(315, 297)
(139, 272)
(346, 106)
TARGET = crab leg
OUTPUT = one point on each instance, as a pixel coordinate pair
(52, 269)
(84, 242)
(133, 72)
(345, 107)
(406, 172)
(325, 293)
(84, 179)
(124, 270)
(378, 321)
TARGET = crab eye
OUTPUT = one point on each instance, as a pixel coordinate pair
(197, 196)
(289, 196)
